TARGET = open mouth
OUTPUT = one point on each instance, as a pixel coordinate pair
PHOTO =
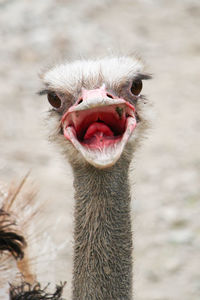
(100, 129)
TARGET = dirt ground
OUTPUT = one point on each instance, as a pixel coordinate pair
(165, 178)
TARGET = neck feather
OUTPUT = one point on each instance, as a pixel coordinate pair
(103, 238)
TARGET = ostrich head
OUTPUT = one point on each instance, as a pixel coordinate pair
(98, 109)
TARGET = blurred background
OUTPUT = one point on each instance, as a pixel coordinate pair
(165, 179)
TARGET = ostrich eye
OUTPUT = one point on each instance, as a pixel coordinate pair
(54, 100)
(136, 87)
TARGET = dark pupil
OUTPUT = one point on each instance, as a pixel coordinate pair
(54, 100)
(136, 87)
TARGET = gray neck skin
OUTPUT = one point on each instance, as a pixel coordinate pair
(103, 237)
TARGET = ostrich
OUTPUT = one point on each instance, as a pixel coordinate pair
(98, 116)
(18, 241)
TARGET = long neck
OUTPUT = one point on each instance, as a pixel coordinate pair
(103, 237)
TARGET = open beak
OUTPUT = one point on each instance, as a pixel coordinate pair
(99, 125)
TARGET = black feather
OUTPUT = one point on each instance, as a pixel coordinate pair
(10, 240)
(34, 292)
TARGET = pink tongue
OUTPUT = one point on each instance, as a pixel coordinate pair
(99, 129)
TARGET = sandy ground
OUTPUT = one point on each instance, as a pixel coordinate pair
(165, 180)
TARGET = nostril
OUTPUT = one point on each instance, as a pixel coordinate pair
(109, 96)
(80, 101)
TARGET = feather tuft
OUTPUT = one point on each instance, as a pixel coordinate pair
(26, 291)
